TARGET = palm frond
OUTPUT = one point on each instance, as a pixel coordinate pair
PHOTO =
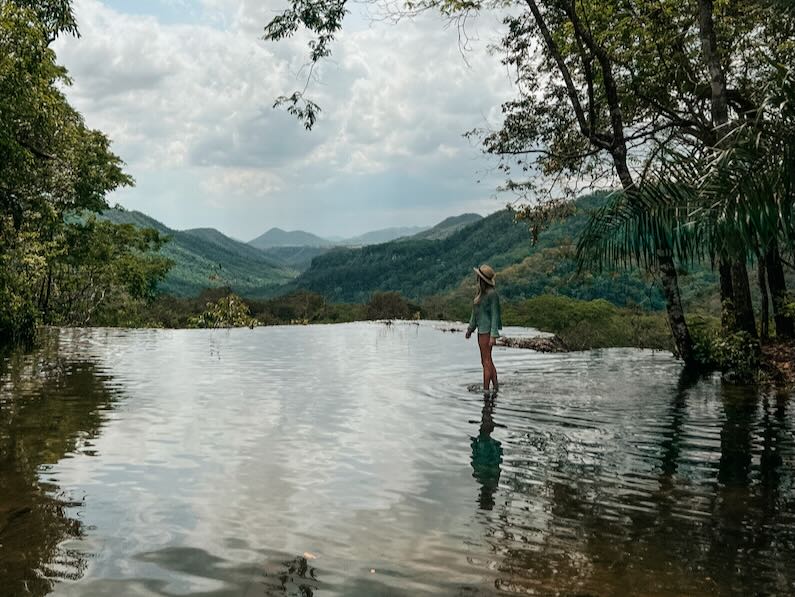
(725, 203)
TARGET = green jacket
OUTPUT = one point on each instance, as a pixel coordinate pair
(487, 316)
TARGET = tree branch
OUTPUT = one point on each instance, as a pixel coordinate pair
(571, 91)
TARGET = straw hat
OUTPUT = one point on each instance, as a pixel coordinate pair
(486, 274)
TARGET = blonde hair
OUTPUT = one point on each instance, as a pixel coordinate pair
(483, 288)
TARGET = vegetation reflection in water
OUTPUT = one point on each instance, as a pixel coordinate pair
(50, 408)
(598, 473)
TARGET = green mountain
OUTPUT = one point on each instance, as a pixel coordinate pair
(383, 236)
(204, 257)
(419, 268)
(447, 227)
(276, 237)
(297, 258)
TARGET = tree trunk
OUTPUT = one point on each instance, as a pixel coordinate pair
(668, 277)
(727, 319)
(717, 80)
(45, 307)
(785, 326)
(764, 325)
(743, 307)
(615, 143)
(673, 303)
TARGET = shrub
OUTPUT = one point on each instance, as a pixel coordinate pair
(389, 305)
(590, 324)
(228, 312)
(739, 355)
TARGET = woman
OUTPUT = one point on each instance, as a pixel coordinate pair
(487, 318)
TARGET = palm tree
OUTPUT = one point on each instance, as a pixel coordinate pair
(730, 202)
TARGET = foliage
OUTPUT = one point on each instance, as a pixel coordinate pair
(51, 164)
(390, 305)
(726, 203)
(102, 273)
(447, 227)
(590, 324)
(299, 307)
(738, 355)
(294, 258)
(205, 258)
(324, 19)
(227, 312)
(422, 269)
(451, 306)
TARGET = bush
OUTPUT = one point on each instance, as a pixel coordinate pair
(738, 355)
(390, 305)
(18, 320)
(228, 312)
(590, 324)
(451, 307)
(300, 306)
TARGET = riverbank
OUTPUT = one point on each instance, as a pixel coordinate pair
(778, 361)
(580, 325)
(572, 324)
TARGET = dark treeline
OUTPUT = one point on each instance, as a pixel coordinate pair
(221, 307)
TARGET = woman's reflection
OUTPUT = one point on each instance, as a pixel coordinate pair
(486, 456)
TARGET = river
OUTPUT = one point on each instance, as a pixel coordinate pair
(356, 460)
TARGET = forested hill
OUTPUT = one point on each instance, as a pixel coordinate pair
(205, 258)
(415, 267)
(276, 237)
(421, 268)
(447, 227)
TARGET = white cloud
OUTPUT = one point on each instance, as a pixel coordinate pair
(195, 98)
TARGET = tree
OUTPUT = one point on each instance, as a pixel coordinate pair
(738, 197)
(51, 164)
(713, 80)
(101, 273)
(389, 305)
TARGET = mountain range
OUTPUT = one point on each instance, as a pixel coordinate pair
(276, 237)
(433, 264)
(207, 258)
(427, 266)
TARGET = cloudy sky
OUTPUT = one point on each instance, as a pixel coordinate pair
(185, 90)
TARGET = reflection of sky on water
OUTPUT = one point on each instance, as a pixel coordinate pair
(230, 453)
(269, 449)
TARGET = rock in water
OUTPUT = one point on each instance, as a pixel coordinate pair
(550, 344)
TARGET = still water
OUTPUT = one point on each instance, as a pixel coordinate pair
(354, 460)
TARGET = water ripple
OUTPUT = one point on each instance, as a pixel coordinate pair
(354, 460)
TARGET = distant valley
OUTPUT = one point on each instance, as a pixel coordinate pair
(434, 262)
(276, 237)
(207, 258)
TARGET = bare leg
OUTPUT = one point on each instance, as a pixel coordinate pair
(492, 368)
(485, 359)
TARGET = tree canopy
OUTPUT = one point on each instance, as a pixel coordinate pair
(53, 170)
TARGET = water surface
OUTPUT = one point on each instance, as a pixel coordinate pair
(353, 460)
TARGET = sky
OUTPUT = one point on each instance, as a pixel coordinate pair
(185, 90)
